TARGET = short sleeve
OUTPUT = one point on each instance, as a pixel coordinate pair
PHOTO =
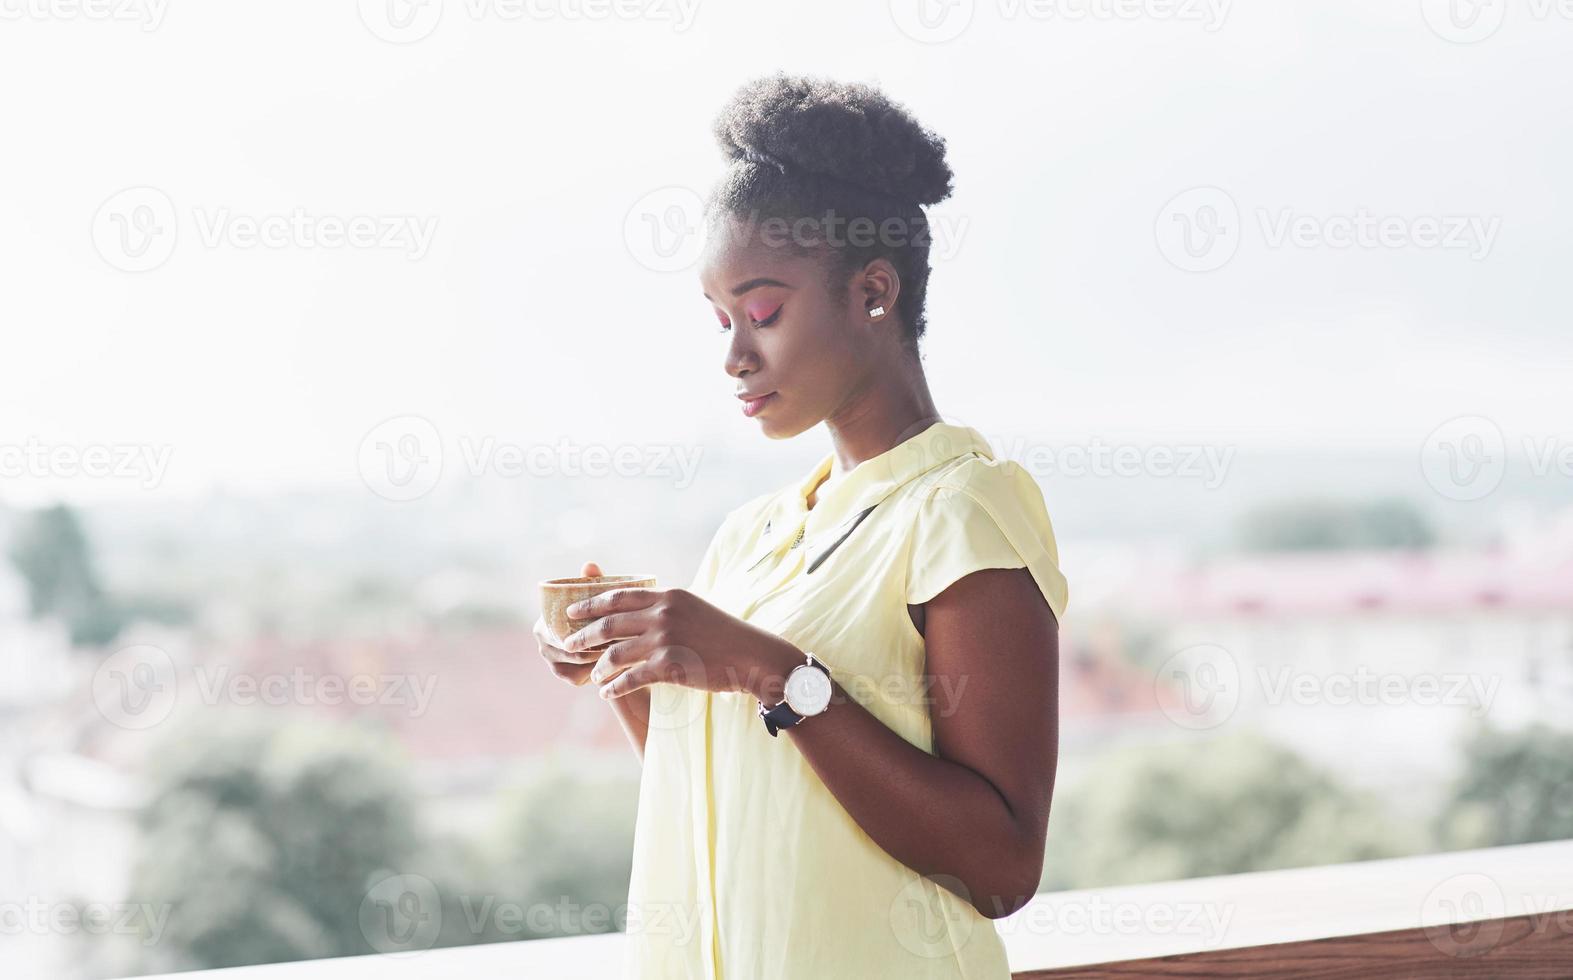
(984, 514)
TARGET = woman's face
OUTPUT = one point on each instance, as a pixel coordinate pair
(789, 336)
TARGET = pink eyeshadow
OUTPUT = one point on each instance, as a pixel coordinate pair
(762, 310)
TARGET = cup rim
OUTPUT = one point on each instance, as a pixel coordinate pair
(582, 580)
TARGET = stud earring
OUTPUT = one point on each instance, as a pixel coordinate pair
(877, 311)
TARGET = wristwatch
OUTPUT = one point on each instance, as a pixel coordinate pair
(807, 693)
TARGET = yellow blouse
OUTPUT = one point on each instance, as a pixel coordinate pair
(745, 864)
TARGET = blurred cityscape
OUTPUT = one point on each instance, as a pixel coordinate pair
(230, 724)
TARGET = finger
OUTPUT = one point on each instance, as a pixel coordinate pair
(553, 651)
(576, 674)
(613, 600)
(631, 680)
(591, 570)
(613, 626)
(618, 657)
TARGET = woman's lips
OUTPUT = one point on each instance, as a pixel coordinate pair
(752, 406)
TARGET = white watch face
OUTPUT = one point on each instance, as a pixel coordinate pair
(807, 690)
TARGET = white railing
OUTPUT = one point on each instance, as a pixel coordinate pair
(1442, 914)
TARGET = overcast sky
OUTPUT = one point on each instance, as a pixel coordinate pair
(1336, 223)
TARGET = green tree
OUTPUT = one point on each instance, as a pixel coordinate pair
(1319, 525)
(1193, 808)
(273, 844)
(52, 552)
(264, 841)
(568, 838)
(1515, 788)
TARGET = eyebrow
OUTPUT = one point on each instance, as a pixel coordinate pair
(744, 287)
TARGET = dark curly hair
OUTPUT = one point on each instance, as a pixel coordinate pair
(843, 156)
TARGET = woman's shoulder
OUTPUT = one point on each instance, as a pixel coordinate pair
(982, 512)
(997, 484)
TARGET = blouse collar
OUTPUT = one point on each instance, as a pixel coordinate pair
(842, 502)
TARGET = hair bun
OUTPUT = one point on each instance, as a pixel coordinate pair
(845, 130)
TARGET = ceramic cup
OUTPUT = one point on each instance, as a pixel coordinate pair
(557, 594)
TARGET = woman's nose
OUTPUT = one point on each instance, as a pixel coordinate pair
(741, 359)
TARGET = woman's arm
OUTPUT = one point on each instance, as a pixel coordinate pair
(978, 808)
(633, 711)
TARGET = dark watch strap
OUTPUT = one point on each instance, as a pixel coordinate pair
(779, 717)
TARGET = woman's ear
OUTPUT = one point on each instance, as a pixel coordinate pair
(878, 287)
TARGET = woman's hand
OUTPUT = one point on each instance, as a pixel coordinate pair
(569, 666)
(672, 636)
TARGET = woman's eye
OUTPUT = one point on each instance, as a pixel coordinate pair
(769, 318)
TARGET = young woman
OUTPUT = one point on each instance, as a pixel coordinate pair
(848, 722)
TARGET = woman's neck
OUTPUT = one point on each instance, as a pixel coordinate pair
(892, 406)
